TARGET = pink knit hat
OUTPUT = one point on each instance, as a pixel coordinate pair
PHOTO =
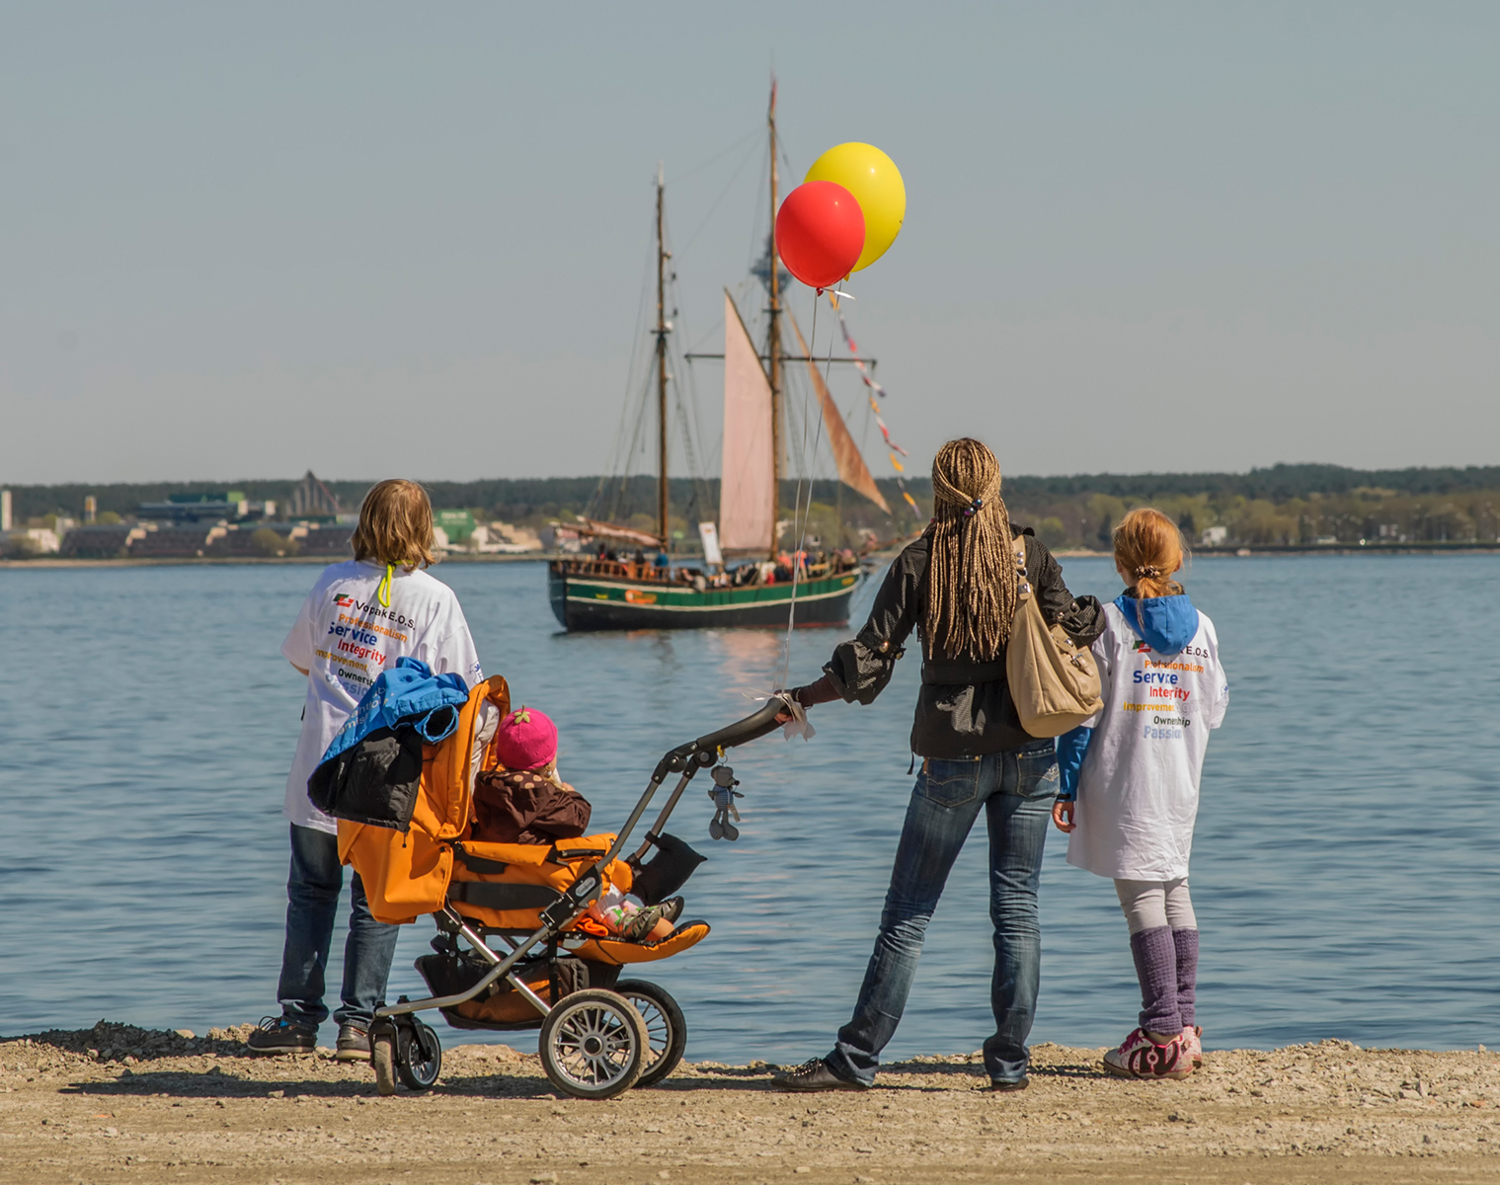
(526, 739)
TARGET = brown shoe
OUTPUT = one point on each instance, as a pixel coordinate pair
(277, 1034)
(353, 1043)
(815, 1074)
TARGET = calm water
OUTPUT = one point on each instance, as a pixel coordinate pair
(1344, 871)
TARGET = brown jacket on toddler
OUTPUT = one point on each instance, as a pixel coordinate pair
(527, 806)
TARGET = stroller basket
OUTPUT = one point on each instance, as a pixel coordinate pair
(511, 952)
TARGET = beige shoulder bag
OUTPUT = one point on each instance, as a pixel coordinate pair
(1055, 685)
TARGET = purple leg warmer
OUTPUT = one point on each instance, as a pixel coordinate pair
(1156, 968)
(1186, 943)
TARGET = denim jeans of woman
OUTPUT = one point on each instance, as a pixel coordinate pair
(312, 890)
(1015, 790)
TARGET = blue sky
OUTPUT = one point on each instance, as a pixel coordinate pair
(242, 240)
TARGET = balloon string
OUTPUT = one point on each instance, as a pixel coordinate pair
(798, 512)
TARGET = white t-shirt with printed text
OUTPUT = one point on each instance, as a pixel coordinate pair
(344, 638)
(1138, 788)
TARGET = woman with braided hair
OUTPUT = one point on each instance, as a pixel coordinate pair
(957, 586)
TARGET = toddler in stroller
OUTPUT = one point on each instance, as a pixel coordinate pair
(512, 951)
(523, 800)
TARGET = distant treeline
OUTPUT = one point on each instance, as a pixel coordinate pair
(1280, 504)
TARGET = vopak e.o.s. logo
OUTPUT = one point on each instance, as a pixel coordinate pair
(350, 604)
(1195, 651)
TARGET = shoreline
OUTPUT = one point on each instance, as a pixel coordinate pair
(1401, 549)
(147, 1106)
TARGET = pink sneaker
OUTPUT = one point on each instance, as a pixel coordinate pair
(1192, 1043)
(1141, 1057)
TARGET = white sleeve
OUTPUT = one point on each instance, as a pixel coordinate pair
(1221, 700)
(1221, 705)
(454, 650)
(1103, 651)
(299, 644)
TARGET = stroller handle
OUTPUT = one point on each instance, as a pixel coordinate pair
(741, 732)
(705, 750)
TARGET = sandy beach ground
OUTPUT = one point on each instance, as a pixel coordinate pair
(117, 1103)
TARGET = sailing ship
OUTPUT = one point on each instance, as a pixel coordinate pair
(605, 592)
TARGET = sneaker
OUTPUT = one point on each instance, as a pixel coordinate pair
(353, 1042)
(1140, 1057)
(813, 1075)
(1192, 1043)
(277, 1034)
(672, 908)
(638, 926)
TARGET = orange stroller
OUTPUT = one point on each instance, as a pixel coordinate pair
(511, 952)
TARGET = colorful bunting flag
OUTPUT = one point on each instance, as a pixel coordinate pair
(872, 388)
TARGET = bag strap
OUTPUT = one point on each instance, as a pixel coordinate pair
(1018, 549)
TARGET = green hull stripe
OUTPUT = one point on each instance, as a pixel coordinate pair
(691, 600)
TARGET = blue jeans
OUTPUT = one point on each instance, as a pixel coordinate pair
(312, 895)
(1015, 790)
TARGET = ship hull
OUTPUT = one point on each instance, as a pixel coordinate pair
(586, 602)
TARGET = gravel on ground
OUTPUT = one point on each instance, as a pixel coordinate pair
(118, 1103)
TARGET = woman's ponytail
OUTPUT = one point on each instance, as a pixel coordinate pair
(1149, 550)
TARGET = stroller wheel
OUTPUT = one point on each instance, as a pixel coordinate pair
(594, 1044)
(419, 1055)
(666, 1027)
(383, 1056)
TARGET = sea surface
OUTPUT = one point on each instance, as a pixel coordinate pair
(1344, 871)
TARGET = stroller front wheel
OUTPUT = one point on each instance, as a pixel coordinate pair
(594, 1044)
(419, 1055)
(383, 1056)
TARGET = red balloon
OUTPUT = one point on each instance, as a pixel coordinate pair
(820, 231)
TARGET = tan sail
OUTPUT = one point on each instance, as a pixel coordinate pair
(853, 471)
(747, 484)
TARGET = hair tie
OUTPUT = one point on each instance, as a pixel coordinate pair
(973, 506)
(1147, 572)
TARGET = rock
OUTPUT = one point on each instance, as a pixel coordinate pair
(185, 1034)
(543, 1178)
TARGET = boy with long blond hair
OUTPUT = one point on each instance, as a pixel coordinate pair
(361, 616)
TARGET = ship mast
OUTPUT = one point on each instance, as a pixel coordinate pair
(661, 364)
(773, 336)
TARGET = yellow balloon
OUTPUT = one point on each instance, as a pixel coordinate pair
(875, 182)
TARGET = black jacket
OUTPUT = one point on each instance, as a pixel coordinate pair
(964, 709)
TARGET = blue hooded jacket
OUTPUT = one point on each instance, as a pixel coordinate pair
(1166, 624)
(410, 692)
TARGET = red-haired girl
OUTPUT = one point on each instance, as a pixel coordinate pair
(1130, 775)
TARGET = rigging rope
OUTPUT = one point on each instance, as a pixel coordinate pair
(596, 505)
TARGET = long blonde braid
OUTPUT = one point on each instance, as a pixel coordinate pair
(971, 570)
